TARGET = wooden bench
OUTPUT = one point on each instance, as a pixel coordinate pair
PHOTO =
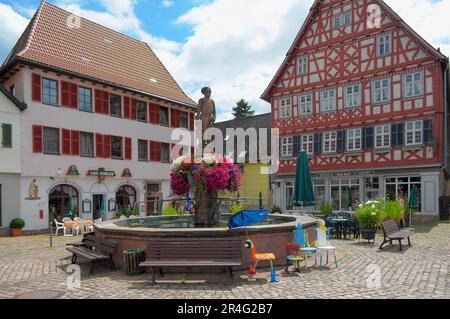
(95, 250)
(193, 252)
(392, 232)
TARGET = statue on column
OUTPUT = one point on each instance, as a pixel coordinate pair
(206, 110)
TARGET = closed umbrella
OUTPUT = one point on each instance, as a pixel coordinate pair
(247, 218)
(303, 189)
(412, 202)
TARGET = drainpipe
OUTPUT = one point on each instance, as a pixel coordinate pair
(446, 106)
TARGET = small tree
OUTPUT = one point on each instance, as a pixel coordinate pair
(242, 109)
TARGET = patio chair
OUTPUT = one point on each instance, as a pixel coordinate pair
(323, 244)
(66, 229)
(59, 226)
(258, 257)
(293, 255)
(301, 238)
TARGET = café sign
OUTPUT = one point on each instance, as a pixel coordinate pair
(101, 173)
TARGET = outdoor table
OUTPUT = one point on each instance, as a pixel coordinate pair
(70, 225)
(340, 222)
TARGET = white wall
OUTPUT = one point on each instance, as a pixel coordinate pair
(10, 157)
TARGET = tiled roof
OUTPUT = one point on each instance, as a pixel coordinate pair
(20, 105)
(95, 52)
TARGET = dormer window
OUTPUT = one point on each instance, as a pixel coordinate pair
(302, 67)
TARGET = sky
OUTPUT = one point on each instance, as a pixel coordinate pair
(234, 46)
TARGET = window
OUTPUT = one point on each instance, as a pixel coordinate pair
(125, 198)
(141, 111)
(308, 143)
(328, 101)
(381, 91)
(345, 194)
(164, 116)
(329, 142)
(414, 133)
(84, 99)
(51, 141)
(115, 105)
(384, 44)
(400, 187)
(319, 192)
(286, 146)
(302, 67)
(142, 150)
(116, 147)
(383, 136)
(285, 107)
(6, 135)
(184, 120)
(165, 153)
(86, 144)
(413, 84)
(354, 140)
(49, 91)
(342, 20)
(289, 195)
(305, 104)
(353, 96)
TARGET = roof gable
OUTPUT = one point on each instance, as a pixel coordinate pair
(304, 40)
(20, 105)
(94, 51)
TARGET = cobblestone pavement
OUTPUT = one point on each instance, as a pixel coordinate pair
(421, 271)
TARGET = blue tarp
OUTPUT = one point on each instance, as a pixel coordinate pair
(247, 218)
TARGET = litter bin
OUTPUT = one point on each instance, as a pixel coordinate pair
(131, 260)
(444, 208)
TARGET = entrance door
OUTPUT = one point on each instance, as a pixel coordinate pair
(98, 206)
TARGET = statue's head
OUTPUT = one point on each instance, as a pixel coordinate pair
(206, 91)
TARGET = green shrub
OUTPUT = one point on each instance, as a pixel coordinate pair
(369, 214)
(326, 209)
(170, 210)
(236, 208)
(128, 212)
(276, 210)
(393, 210)
(17, 223)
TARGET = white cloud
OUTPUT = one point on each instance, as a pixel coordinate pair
(167, 3)
(12, 25)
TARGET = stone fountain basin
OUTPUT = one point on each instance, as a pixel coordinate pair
(267, 238)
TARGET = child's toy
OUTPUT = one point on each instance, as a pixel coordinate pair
(294, 255)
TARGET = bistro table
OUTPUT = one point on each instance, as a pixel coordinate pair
(340, 223)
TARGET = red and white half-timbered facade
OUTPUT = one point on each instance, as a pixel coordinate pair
(365, 96)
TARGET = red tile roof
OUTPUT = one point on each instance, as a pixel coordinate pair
(95, 52)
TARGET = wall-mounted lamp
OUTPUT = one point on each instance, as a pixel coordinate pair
(59, 172)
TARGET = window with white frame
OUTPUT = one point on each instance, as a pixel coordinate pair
(384, 44)
(382, 90)
(354, 140)
(308, 143)
(413, 84)
(286, 146)
(342, 20)
(285, 107)
(302, 67)
(305, 104)
(353, 96)
(383, 136)
(414, 133)
(329, 142)
(328, 101)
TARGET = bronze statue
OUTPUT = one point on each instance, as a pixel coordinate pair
(206, 110)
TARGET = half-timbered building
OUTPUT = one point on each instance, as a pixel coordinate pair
(96, 136)
(366, 97)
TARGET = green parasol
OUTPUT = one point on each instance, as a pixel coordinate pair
(303, 190)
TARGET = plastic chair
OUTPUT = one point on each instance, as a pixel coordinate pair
(59, 226)
(323, 244)
(293, 255)
(301, 238)
(67, 229)
(258, 257)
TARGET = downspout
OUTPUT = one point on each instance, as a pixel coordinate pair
(446, 106)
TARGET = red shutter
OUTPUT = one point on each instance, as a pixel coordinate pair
(65, 142)
(126, 107)
(106, 103)
(37, 138)
(106, 146)
(175, 118)
(36, 88)
(154, 113)
(65, 94)
(75, 139)
(98, 101)
(191, 121)
(155, 151)
(73, 97)
(99, 145)
(133, 109)
(128, 149)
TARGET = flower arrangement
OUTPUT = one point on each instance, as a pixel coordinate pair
(369, 214)
(208, 174)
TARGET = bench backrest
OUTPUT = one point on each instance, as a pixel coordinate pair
(104, 245)
(204, 249)
(389, 227)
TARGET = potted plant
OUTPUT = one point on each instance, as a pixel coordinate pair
(392, 210)
(16, 226)
(368, 217)
(325, 209)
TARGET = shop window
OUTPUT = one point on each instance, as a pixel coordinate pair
(125, 198)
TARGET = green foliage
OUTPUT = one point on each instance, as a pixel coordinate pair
(171, 210)
(369, 214)
(276, 210)
(242, 110)
(236, 208)
(392, 210)
(17, 223)
(127, 212)
(326, 209)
